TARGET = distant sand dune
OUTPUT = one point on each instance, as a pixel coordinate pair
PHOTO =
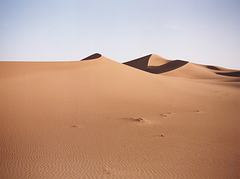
(232, 74)
(213, 67)
(144, 64)
(151, 63)
(92, 57)
(179, 68)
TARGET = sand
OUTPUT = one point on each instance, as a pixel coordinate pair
(97, 118)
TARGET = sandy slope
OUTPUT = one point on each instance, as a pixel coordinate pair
(97, 118)
(179, 68)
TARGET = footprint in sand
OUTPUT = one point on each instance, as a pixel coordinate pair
(163, 115)
(77, 126)
(140, 119)
(159, 135)
(166, 114)
(106, 171)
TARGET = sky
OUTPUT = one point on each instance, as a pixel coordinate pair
(199, 31)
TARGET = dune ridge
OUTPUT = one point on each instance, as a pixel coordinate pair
(97, 118)
(232, 74)
(180, 68)
(93, 56)
(155, 64)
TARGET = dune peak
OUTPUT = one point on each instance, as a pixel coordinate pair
(156, 60)
(93, 56)
(156, 64)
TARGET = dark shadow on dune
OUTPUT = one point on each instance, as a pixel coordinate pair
(91, 57)
(167, 67)
(142, 64)
(213, 67)
(232, 74)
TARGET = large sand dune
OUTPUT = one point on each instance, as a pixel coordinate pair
(97, 118)
(180, 68)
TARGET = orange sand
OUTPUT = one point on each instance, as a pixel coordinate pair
(97, 118)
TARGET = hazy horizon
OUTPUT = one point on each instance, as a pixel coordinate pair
(205, 32)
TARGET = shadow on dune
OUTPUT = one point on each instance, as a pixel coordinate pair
(91, 57)
(142, 64)
(167, 67)
(232, 74)
(213, 67)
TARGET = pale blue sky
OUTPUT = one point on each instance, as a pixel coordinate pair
(200, 31)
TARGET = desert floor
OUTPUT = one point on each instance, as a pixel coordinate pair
(97, 118)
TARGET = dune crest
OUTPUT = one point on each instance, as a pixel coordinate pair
(156, 60)
(232, 74)
(92, 57)
(180, 68)
(155, 64)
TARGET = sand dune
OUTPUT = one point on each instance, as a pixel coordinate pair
(232, 74)
(153, 64)
(97, 118)
(156, 65)
(179, 68)
(92, 57)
